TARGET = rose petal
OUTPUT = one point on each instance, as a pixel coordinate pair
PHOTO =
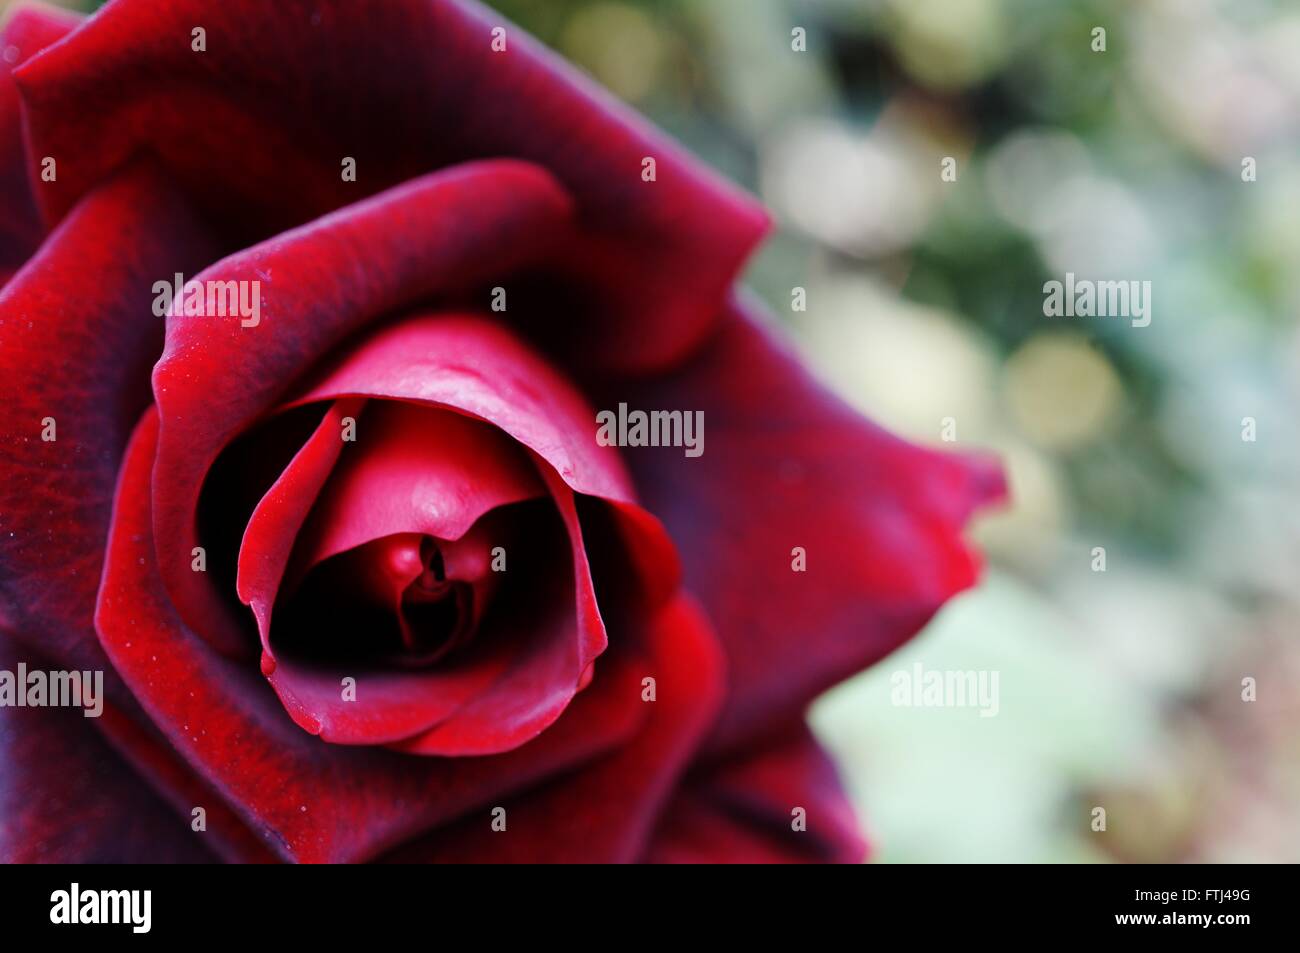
(27, 31)
(393, 706)
(77, 336)
(788, 465)
(146, 750)
(416, 470)
(106, 816)
(742, 811)
(319, 283)
(312, 801)
(258, 125)
(475, 366)
(273, 528)
(605, 813)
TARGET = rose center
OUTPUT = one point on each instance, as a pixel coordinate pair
(436, 614)
(407, 600)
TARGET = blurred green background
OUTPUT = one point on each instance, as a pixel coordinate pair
(1120, 689)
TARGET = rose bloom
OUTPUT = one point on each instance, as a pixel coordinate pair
(363, 582)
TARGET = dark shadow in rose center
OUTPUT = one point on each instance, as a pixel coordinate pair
(349, 613)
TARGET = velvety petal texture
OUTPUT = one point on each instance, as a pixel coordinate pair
(145, 748)
(788, 468)
(312, 82)
(66, 797)
(25, 32)
(77, 337)
(781, 802)
(605, 813)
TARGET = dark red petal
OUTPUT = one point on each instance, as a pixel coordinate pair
(434, 235)
(261, 121)
(313, 801)
(26, 32)
(788, 465)
(273, 527)
(605, 813)
(77, 336)
(743, 810)
(413, 469)
(393, 706)
(65, 797)
(146, 750)
(477, 367)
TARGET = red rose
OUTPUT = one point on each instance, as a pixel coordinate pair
(372, 422)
